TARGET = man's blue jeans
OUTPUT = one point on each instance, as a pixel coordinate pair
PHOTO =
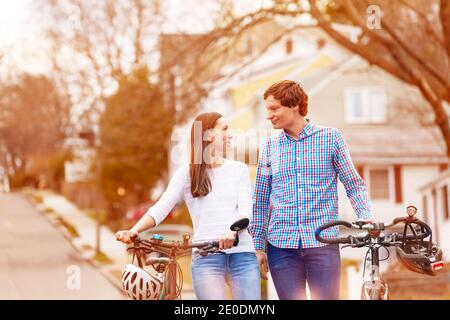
(291, 268)
(239, 270)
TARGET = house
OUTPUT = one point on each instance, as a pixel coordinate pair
(387, 125)
(435, 204)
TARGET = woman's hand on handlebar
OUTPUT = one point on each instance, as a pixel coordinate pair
(126, 236)
(227, 240)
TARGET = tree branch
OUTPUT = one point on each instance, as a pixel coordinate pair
(445, 22)
(371, 57)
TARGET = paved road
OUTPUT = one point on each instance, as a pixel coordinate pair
(37, 262)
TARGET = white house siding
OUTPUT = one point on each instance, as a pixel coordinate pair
(436, 215)
(413, 177)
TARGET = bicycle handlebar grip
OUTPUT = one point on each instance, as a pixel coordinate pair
(333, 240)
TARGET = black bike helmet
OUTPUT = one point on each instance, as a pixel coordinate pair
(421, 257)
(416, 253)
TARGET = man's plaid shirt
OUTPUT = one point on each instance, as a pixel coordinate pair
(296, 187)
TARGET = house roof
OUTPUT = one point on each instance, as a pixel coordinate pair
(401, 144)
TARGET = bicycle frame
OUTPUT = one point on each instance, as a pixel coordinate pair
(375, 288)
(167, 268)
(167, 273)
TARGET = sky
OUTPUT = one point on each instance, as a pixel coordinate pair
(13, 20)
(19, 37)
(21, 29)
(19, 26)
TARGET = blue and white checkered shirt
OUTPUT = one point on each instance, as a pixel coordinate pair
(296, 187)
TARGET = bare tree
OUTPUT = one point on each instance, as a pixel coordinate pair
(408, 39)
(33, 121)
(96, 43)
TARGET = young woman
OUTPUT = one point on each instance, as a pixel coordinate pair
(217, 192)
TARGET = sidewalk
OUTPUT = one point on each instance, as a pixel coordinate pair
(85, 243)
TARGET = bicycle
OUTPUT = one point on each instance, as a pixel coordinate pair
(167, 284)
(413, 250)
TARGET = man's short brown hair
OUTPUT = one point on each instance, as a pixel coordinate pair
(290, 94)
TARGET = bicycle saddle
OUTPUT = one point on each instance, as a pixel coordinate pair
(240, 224)
(154, 260)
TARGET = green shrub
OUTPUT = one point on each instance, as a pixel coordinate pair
(102, 258)
(70, 228)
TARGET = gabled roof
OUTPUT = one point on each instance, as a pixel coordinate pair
(395, 144)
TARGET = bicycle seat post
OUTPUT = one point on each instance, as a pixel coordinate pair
(171, 281)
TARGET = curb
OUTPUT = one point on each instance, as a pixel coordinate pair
(105, 273)
(111, 278)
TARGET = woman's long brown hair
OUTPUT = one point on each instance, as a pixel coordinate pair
(200, 182)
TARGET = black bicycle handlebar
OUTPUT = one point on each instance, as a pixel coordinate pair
(360, 240)
(203, 247)
(330, 225)
(236, 226)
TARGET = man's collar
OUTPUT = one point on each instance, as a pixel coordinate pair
(307, 131)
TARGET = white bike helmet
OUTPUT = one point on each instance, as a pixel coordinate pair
(139, 284)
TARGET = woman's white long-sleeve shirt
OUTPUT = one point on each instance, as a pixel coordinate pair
(212, 215)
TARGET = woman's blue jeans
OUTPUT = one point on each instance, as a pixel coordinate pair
(239, 270)
(291, 268)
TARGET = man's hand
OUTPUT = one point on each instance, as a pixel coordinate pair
(263, 265)
(362, 222)
(126, 236)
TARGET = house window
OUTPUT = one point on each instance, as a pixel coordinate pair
(445, 201)
(365, 105)
(383, 182)
(379, 184)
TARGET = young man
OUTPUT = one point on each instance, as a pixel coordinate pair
(297, 178)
